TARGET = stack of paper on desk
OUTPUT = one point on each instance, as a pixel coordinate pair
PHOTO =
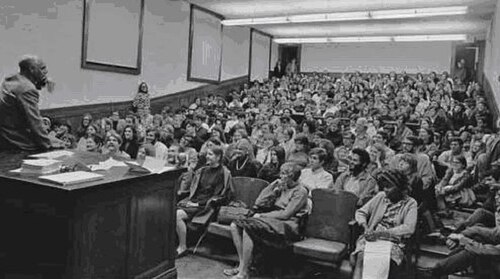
(150, 165)
(106, 165)
(40, 166)
(71, 178)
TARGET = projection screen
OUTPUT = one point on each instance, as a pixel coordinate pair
(260, 52)
(205, 46)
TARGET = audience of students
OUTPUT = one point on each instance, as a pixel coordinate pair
(435, 130)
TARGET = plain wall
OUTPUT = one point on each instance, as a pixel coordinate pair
(411, 57)
(53, 31)
(492, 56)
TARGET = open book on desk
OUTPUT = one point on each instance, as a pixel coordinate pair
(150, 165)
(71, 178)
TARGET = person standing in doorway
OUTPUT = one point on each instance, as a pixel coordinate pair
(291, 68)
(278, 69)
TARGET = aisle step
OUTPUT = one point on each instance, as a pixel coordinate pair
(435, 249)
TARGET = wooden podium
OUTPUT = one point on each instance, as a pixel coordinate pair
(120, 227)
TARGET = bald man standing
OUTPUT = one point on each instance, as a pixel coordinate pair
(21, 125)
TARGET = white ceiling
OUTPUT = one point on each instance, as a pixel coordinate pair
(474, 23)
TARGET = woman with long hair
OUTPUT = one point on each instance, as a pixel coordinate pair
(86, 121)
(210, 187)
(308, 128)
(218, 133)
(270, 171)
(89, 132)
(424, 197)
(377, 158)
(263, 151)
(141, 103)
(129, 144)
(428, 146)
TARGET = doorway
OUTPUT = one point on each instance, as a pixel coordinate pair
(473, 54)
(287, 53)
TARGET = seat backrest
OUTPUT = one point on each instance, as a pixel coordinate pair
(331, 212)
(247, 189)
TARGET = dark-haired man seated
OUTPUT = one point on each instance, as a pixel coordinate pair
(446, 157)
(357, 180)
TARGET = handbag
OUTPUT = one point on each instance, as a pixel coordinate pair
(204, 217)
(228, 214)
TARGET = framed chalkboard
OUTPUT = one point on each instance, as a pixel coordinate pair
(112, 35)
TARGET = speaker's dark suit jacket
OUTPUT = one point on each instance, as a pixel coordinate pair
(20, 120)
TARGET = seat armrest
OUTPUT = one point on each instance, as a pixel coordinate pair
(355, 231)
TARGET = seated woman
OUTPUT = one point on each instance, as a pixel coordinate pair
(210, 186)
(90, 131)
(238, 134)
(153, 137)
(271, 171)
(331, 164)
(377, 158)
(391, 215)
(455, 187)
(144, 150)
(241, 162)
(424, 197)
(112, 146)
(264, 150)
(86, 121)
(202, 155)
(428, 147)
(299, 153)
(93, 144)
(275, 223)
(288, 140)
(129, 145)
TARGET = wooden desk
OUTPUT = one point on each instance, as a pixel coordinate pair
(119, 227)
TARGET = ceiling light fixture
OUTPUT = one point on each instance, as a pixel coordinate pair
(346, 16)
(368, 39)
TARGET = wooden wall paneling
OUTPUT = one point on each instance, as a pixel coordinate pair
(74, 114)
(103, 255)
(147, 235)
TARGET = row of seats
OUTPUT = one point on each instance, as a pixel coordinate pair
(330, 232)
